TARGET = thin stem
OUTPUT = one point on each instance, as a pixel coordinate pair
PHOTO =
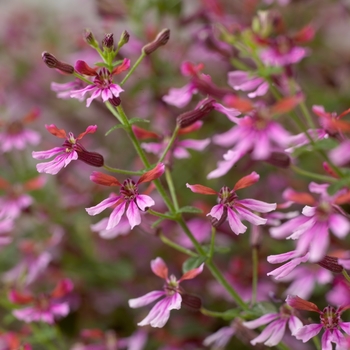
(139, 60)
(122, 171)
(312, 175)
(114, 112)
(255, 261)
(170, 183)
(82, 78)
(211, 313)
(316, 342)
(345, 274)
(307, 115)
(177, 246)
(212, 243)
(170, 143)
(160, 215)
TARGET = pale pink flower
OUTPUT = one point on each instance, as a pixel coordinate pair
(128, 199)
(70, 150)
(103, 82)
(234, 209)
(64, 90)
(45, 307)
(220, 338)
(330, 322)
(311, 229)
(274, 332)
(245, 81)
(172, 294)
(123, 228)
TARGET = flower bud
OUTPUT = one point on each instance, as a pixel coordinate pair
(161, 39)
(279, 159)
(91, 158)
(330, 263)
(188, 118)
(191, 301)
(115, 101)
(108, 41)
(124, 38)
(52, 62)
(90, 39)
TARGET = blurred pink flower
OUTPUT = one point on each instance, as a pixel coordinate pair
(274, 332)
(311, 229)
(220, 338)
(103, 82)
(46, 308)
(330, 321)
(160, 312)
(13, 341)
(245, 81)
(70, 150)
(234, 209)
(128, 197)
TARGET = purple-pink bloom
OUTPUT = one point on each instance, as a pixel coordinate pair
(45, 307)
(160, 313)
(64, 90)
(330, 322)
(234, 209)
(128, 200)
(244, 81)
(220, 338)
(102, 84)
(274, 332)
(311, 229)
(70, 150)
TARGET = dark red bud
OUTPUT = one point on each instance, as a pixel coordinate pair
(188, 118)
(124, 38)
(279, 159)
(90, 39)
(108, 41)
(191, 301)
(115, 101)
(92, 158)
(161, 39)
(52, 62)
(330, 263)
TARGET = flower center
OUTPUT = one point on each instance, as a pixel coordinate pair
(227, 197)
(330, 318)
(172, 286)
(129, 190)
(103, 79)
(323, 210)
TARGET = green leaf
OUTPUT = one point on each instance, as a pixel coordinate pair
(335, 187)
(117, 63)
(189, 209)
(192, 263)
(118, 126)
(138, 120)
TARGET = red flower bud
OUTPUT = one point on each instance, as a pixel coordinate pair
(161, 39)
(52, 62)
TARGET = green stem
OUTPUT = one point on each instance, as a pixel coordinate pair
(170, 143)
(212, 313)
(160, 215)
(77, 75)
(312, 175)
(307, 115)
(255, 261)
(114, 112)
(122, 171)
(316, 342)
(139, 60)
(176, 246)
(345, 274)
(212, 243)
(170, 183)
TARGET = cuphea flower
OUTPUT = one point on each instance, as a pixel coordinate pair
(45, 307)
(234, 209)
(14, 135)
(128, 197)
(274, 332)
(70, 150)
(311, 229)
(172, 293)
(330, 321)
(103, 82)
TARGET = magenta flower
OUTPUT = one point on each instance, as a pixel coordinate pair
(103, 82)
(14, 135)
(330, 321)
(244, 81)
(128, 197)
(172, 292)
(311, 229)
(70, 150)
(45, 308)
(234, 209)
(274, 332)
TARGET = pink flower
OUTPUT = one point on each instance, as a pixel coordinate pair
(64, 90)
(13, 341)
(45, 308)
(172, 292)
(311, 229)
(330, 321)
(123, 228)
(15, 136)
(70, 150)
(244, 81)
(220, 338)
(274, 332)
(234, 209)
(128, 197)
(103, 82)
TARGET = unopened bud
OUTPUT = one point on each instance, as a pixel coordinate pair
(108, 41)
(161, 39)
(330, 263)
(115, 101)
(124, 38)
(279, 159)
(191, 301)
(188, 118)
(92, 158)
(90, 39)
(52, 62)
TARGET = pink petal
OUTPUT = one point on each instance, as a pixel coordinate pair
(224, 166)
(159, 268)
(197, 145)
(180, 97)
(260, 206)
(145, 299)
(250, 217)
(49, 153)
(192, 273)
(231, 113)
(93, 96)
(106, 203)
(235, 223)
(143, 201)
(260, 321)
(307, 332)
(216, 211)
(294, 324)
(116, 215)
(339, 225)
(133, 215)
